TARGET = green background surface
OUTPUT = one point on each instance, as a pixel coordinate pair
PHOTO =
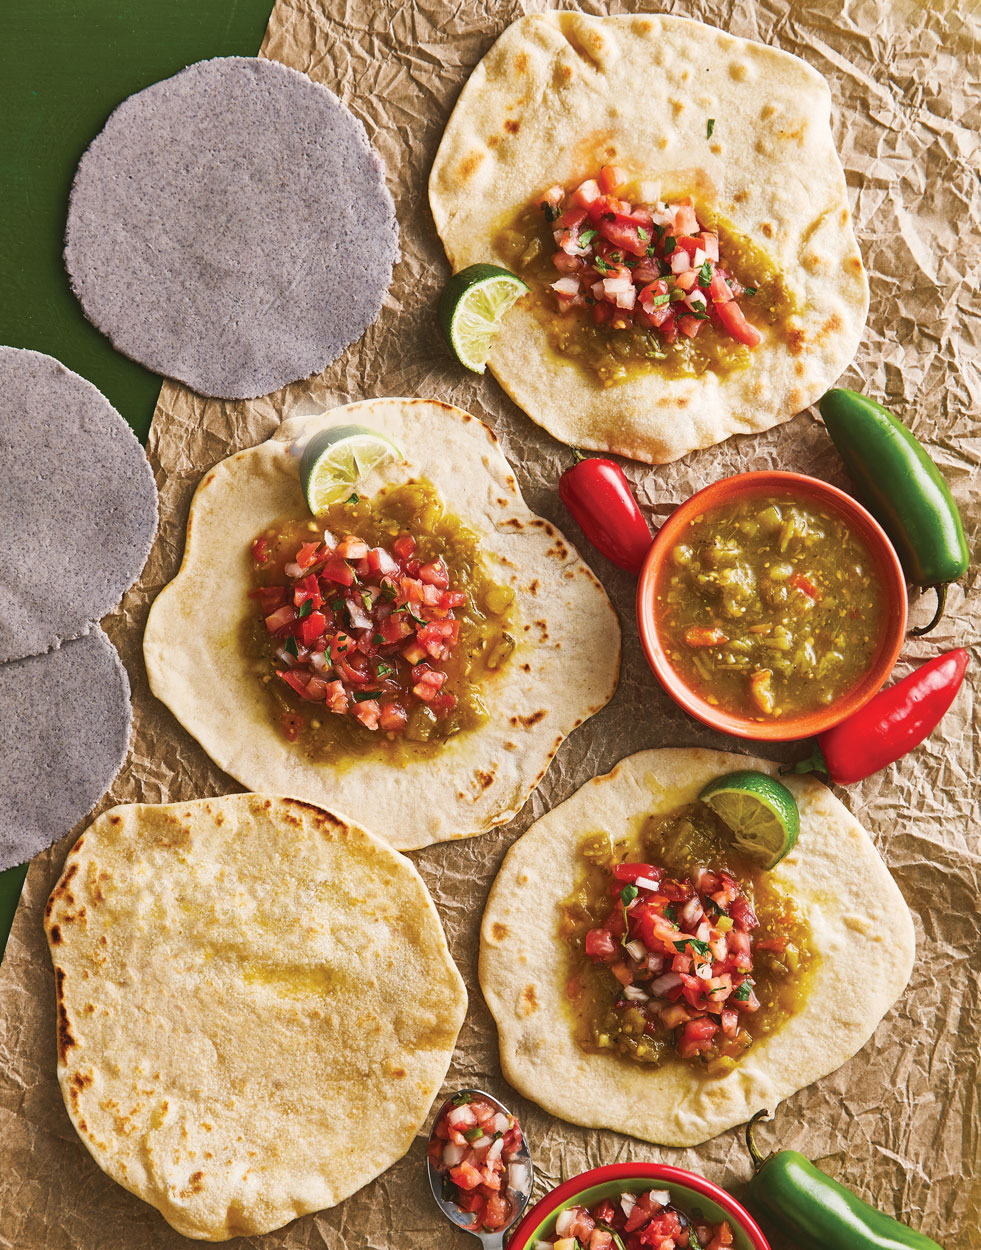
(66, 65)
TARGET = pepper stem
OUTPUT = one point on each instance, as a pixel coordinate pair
(941, 604)
(813, 763)
(577, 454)
(757, 1158)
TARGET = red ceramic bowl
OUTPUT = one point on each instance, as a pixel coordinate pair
(687, 1190)
(808, 490)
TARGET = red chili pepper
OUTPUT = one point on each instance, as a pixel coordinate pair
(599, 497)
(889, 725)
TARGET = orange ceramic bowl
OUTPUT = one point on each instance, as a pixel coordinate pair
(807, 490)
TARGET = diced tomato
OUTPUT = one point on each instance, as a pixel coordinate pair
(443, 702)
(497, 1212)
(600, 945)
(611, 179)
(800, 581)
(602, 312)
(300, 682)
(311, 628)
(339, 571)
(293, 725)
(282, 619)
(719, 289)
(586, 193)
(731, 316)
(367, 711)
(465, 1176)
(696, 1037)
(685, 220)
(439, 638)
(352, 548)
(270, 598)
(379, 561)
(427, 682)
(669, 329)
(307, 588)
(307, 555)
(336, 697)
(624, 234)
(662, 1229)
(567, 264)
(772, 944)
(260, 550)
(689, 325)
(742, 914)
(435, 574)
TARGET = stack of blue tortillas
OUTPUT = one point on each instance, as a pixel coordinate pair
(230, 227)
(78, 512)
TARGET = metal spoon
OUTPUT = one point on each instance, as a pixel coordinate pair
(519, 1197)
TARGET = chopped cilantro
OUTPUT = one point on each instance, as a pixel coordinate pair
(705, 274)
(710, 126)
(367, 600)
(361, 695)
(462, 1100)
(291, 646)
(628, 894)
(652, 250)
(305, 608)
(698, 948)
(642, 234)
(751, 290)
(353, 499)
(600, 264)
(658, 300)
(474, 1134)
(551, 211)
(378, 640)
(671, 914)
(337, 604)
(659, 231)
(383, 670)
(586, 237)
(742, 993)
(698, 314)
(669, 244)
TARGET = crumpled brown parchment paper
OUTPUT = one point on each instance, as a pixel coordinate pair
(901, 1122)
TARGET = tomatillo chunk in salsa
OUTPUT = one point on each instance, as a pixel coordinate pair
(770, 607)
(680, 950)
(626, 282)
(635, 1221)
(375, 625)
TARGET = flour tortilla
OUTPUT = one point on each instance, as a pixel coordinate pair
(231, 227)
(862, 932)
(563, 670)
(256, 1007)
(559, 95)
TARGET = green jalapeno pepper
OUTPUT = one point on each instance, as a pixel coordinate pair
(903, 488)
(817, 1213)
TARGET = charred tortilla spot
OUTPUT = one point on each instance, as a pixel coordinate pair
(528, 721)
(715, 149)
(529, 1000)
(510, 746)
(795, 341)
(526, 668)
(799, 368)
(484, 779)
(55, 935)
(65, 1038)
(534, 586)
(738, 71)
(644, 25)
(512, 126)
(768, 229)
(831, 326)
(521, 62)
(470, 164)
(796, 399)
(812, 261)
(740, 197)
(854, 263)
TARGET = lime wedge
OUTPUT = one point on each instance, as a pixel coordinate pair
(760, 811)
(336, 462)
(471, 308)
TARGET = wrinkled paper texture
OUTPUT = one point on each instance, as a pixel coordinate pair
(901, 1122)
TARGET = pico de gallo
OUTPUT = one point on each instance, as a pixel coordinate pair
(630, 280)
(377, 622)
(477, 1149)
(681, 952)
(632, 1221)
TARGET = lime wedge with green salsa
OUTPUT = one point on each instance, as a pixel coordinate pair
(471, 308)
(335, 462)
(760, 811)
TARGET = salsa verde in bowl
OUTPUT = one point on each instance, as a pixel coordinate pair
(771, 606)
(695, 1205)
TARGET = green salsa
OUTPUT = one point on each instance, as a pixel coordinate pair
(770, 607)
(482, 647)
(610, 353)
(773, 959)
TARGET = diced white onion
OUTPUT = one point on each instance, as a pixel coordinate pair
(461, 1116)
(645, 883)
(500, 1123)
(695, 301)
(662, 985)
(636, 950)
(711, 246)
(293, 570)
(453, 1154)
(566, 1220)
(634, 993)
(627, 1203)
(568, 285)
(554, 195)
(692, 912)
(704, 972)
(598, 290)
(661, 1197)
(558, 235)
(661, 216)
(704, 931)
(627, 298)
(698, 260)
(319, 661)
(386, 564)
(359, 617)
(613, 286)
(329, 540)
(648, 192)
(656, 962)
(495, 1151)
(680, 260)
(518, 1176)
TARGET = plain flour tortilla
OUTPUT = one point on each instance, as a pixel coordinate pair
(559, 95)
(256, 1007)
(862, 932)
(198, 666)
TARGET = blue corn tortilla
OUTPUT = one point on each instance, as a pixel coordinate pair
(230, 227)
(64, 732)
(78, 506)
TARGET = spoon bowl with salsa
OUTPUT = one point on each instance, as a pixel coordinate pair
(771, 606)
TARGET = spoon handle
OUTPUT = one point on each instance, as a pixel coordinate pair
(493, 1241)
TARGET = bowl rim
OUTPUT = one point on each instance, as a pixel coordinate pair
(801, 725)
(666, 1172)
